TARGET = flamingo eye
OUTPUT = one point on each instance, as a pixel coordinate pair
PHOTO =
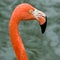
(30, 11)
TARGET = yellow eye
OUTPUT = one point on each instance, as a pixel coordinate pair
(30, 11)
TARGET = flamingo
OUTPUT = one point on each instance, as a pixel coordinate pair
(24, 12)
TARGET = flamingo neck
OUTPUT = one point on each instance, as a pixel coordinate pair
(16, 39)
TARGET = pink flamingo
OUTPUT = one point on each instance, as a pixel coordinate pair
(25, 12)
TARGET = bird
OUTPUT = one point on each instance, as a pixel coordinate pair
(24, 12)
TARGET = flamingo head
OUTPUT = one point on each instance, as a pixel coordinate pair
(31, 13)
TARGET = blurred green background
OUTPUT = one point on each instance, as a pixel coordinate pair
(38, 46)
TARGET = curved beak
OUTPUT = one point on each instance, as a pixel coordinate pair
(43, 26)
(42, 19)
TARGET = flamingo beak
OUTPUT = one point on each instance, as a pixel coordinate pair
(43, 26)
(42, 19)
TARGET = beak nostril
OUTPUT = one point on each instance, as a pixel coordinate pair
(39, 13)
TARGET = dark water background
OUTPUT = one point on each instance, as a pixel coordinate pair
(38, 46)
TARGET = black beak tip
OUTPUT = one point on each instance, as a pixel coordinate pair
(43, 27)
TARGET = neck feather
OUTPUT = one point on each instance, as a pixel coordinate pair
(16, 39)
